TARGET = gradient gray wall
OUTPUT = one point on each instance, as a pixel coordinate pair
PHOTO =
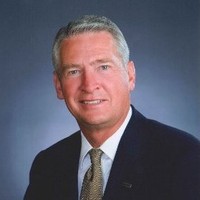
(163, 37)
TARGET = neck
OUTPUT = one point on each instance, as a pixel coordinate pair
(98, 134)
(97, 138)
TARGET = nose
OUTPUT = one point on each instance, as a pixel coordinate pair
(89, 82)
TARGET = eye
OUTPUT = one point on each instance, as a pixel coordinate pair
(73, 72)
(104, 67)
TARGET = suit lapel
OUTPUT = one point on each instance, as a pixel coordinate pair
(127, 170)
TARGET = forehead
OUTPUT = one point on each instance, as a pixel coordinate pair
(88, 44)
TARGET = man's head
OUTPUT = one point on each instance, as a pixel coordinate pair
(90, 23)
(92, 75)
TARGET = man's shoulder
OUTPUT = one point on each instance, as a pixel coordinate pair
(171, 134)
(164, 136)
(63, 148)
(67, 142)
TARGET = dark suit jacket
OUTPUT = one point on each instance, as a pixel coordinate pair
(153, 162)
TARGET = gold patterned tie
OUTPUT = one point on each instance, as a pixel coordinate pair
(92, 188)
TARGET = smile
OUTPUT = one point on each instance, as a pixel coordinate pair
(91, 102)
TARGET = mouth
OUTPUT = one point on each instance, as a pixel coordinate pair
(92, 102)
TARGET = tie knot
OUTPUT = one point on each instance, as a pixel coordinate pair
(95, 156)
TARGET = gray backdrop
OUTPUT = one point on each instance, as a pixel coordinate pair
(163, 38)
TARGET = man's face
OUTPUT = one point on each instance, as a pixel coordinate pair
(93, 82)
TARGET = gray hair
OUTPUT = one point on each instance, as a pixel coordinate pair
(90, 23)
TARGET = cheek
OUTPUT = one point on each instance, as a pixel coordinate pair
(69, 90)
(117, 86)
(122, 80)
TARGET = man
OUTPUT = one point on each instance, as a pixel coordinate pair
(139, 158)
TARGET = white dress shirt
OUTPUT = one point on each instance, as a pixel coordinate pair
(109, 148)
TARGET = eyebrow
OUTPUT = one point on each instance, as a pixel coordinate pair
(67, 66)
(98, 61)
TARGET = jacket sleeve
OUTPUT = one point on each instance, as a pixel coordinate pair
(39, 181)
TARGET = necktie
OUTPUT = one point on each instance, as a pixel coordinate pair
(92, 188)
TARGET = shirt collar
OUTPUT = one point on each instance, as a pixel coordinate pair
(109, 147)
(85, 147)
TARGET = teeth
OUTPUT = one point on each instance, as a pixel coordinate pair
(92, 102)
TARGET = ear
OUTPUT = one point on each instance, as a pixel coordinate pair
(131, 75)
(58, 86)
